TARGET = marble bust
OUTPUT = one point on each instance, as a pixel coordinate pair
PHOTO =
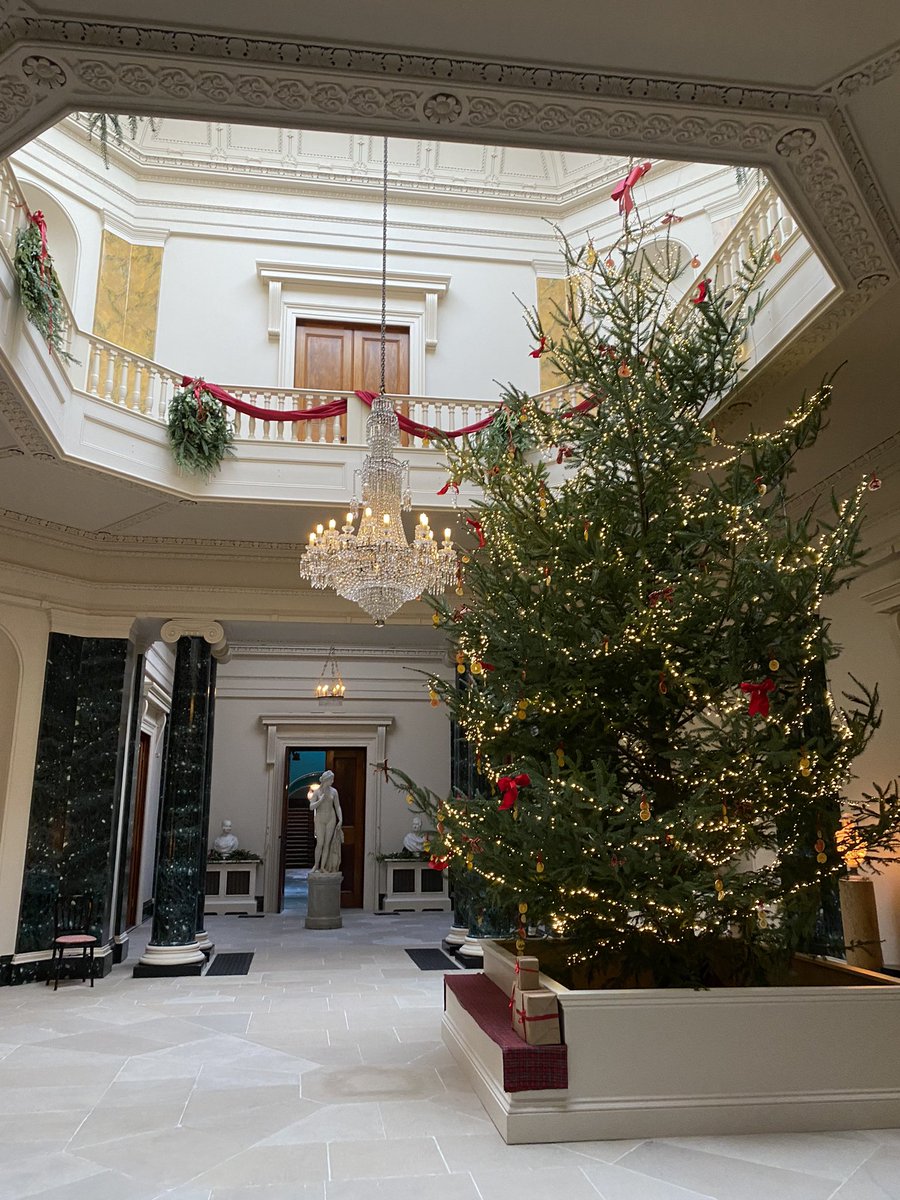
(226, 842)
(328, 823)
(414, 841)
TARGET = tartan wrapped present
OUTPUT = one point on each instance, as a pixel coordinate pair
(535, 1016)
(528, 973)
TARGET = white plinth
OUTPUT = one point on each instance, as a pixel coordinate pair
(673, 1062)
(413, 885)
(172, 956)
(231, 886)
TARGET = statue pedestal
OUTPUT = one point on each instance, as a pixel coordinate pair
(323, 910)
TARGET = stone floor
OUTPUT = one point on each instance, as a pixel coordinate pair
(321, 1076)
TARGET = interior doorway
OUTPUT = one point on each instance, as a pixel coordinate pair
(337, 357)
(302, 767)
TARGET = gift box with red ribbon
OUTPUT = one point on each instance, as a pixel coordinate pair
(528, 973)
(535, 1016)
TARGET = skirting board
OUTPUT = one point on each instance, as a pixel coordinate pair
(526, 1117)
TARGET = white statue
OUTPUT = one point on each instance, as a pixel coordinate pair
(415, 839)
(226, 842)
(326, 809)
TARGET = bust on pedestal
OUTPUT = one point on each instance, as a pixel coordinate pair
(226, 842)
(324, 906)
(414, 841)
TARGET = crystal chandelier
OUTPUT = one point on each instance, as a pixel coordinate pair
(372, 563)
(330, 685)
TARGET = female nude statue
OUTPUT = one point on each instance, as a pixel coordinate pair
(326, 808)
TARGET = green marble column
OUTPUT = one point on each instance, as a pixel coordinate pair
(173, 949)
(73, 822)
(203, 938)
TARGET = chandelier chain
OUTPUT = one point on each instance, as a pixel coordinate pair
(384, 231)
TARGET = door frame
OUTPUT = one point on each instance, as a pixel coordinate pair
(405, 313)
(313, 731)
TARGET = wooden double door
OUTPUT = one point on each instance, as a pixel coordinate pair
(347, 358)
(297, 839)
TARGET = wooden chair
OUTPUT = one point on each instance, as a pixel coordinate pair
(72, 924)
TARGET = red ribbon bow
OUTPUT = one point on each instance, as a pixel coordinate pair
(451, 483)
(37, 218)
(438, 864)
(759, 696)
(477, 530)
(623, 188)
(671, 219)
(486, 666)
(702, 291)
(509, 789)
(665, 593)
(563, 452)
(540, 350)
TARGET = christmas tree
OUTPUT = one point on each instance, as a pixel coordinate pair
(662, 762)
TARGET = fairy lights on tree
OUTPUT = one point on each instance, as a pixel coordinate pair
(644, 650)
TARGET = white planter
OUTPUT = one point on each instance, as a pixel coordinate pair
(676, 1062)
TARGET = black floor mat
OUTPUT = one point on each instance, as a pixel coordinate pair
(432, 960)
(231, 964)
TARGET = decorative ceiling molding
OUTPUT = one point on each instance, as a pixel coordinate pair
(49, 67)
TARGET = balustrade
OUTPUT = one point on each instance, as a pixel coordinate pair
(116, 376)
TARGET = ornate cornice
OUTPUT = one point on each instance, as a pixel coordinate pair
(803, 137)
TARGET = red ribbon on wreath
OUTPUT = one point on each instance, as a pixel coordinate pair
(759, 696)
(37, 218)
(624, 187)
(509, 789)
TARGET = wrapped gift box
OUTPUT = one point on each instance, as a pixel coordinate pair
(535, 1016)
(528, 973)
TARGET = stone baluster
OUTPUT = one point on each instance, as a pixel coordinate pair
(93, 382)
(136, 399)
(110, 381)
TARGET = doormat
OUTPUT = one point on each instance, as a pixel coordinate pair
(432, 960)
(231, 964)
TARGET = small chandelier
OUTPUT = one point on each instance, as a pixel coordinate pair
(330, 685)
(372, 563)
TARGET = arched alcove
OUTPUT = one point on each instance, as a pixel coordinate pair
(62, 236)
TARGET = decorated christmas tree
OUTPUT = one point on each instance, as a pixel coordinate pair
(662, 763)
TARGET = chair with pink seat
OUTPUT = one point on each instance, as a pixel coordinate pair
(72, 930)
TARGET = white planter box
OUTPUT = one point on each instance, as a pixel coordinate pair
(231, 886)
(413, 885)
(676, 1062)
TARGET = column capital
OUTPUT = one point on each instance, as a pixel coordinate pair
(211, 632)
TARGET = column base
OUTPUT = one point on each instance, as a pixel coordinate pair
(470, 950)
(203, 941)
(170, 960)
(455, 938)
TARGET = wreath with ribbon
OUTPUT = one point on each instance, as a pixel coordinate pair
(200, 432)
(39, 288)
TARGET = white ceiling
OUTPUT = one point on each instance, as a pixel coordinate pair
(223, 151)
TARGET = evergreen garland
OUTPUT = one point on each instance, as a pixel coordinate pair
(40, 291)
(199, 432)
(108, 126)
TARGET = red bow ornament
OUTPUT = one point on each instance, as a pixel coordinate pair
(451, 483)
(702, 292)
(477, 530)
(563, 452)
(665, 593)
(540, 350)
(671, 219)
(759, 696)
(438, 864)
(624, 187)
(509, 789)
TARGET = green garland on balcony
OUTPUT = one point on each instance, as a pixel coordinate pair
(199, 431)
(108, 127)
(39, 288)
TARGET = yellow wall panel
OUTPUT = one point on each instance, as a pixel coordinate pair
(128, 294)
(551, 296)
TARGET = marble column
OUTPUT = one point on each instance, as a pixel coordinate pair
(181, 847)
(78, 777)
(203, 939)
(126, 823)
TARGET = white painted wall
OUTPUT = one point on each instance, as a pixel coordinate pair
(271, 680)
